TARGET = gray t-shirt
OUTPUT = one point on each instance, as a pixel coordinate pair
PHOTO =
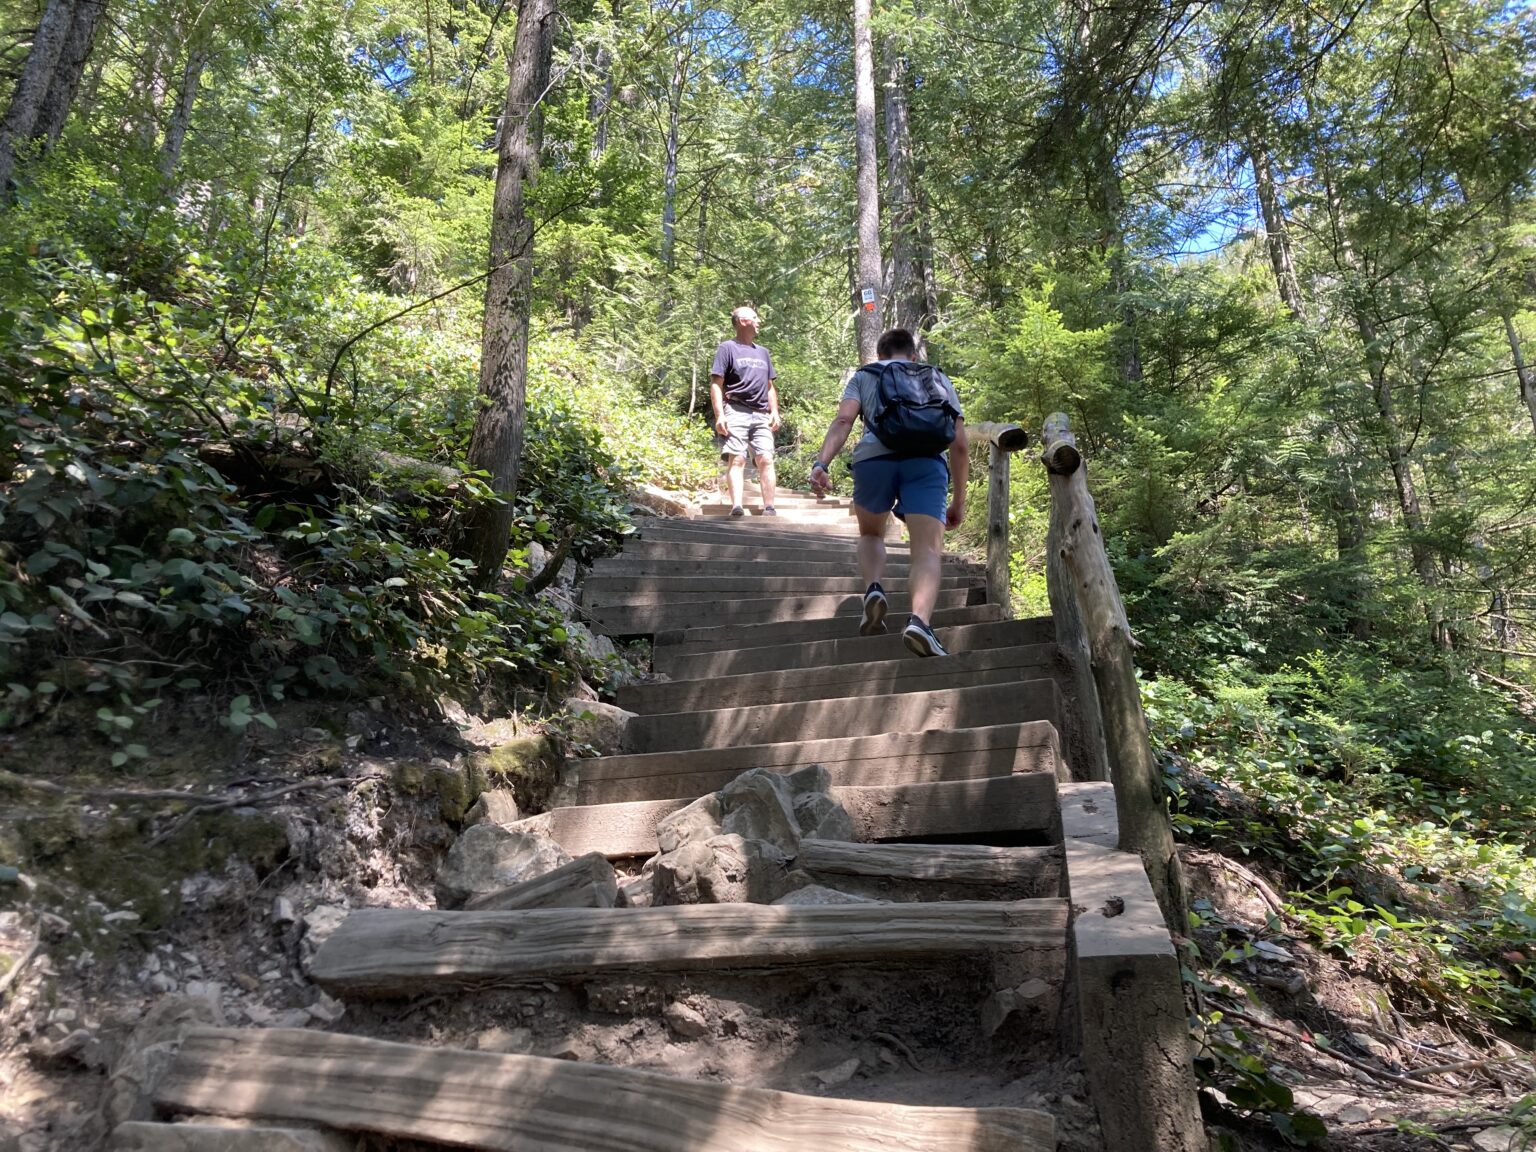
(862, 387)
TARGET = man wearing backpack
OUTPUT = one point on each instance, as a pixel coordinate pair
(911, 417)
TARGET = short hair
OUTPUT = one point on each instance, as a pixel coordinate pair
(736, 312)
(896, 342)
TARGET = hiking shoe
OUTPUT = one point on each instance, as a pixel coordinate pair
(875, 605)
(738, 512)
(770, 510)
(919, 638)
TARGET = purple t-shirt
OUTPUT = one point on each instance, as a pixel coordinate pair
(747, 371)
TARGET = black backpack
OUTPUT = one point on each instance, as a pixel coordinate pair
(913, 415)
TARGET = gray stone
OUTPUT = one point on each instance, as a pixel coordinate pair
(698, 821)
(148, 1054)
(597, 726)
(838, 1073)
(1497, 1140)
(639, 893)
(507, 1041)
(488, 857)
(811, 778)
(758, 805)
(820, 894)
(495, 806)
(589, 643)
(684, 1021)
(819, 817)
(723, 870)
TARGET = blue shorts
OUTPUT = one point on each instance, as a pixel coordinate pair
(917, 486)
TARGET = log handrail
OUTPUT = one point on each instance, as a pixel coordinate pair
(1002, 440)
(1092, 629)
(1008, 437)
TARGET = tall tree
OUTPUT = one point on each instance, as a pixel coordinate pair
(18, 127)
(870, 320)
(497, 442)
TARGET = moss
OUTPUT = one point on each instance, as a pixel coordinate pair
(528, 765)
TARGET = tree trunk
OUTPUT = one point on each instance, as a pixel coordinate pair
(675, 89)
(68, 72)
(21, 116)
(870, 320)
(181, 115)
(904, 285)
(497, 441)
(1524, 373)
(1277, 236)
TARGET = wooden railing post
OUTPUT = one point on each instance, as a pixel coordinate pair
(1077, 540)
(1002, 441)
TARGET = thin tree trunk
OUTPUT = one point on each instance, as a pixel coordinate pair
(21, 115)
(904, 286)
(497, 441)
(68, 72)
(1277, 236)
(181, 115)
(675, 89)
(1523, 371)
(870, 320)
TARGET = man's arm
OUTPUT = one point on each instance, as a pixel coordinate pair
(959, 472)
(837, 436)
(717, 402)
(773, 405)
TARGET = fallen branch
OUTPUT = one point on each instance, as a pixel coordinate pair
(898, 1042)
(1343, 1058)
(16, 969)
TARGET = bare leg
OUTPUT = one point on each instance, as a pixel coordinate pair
(767, 478)
(927, 534)
(737, 475)
(871, 544)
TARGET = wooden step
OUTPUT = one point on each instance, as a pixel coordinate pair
(1007, 703)
(496, 1103)
(873, 869)
(385, 952)
(648, 619)
(710, 638)
(845, 650)
(787, 513)
(147, 1136)
(890, 758)
(825, 552)
(753, 532)
(619, 591)
(838, 681)
(1022, 806)
(624, 567)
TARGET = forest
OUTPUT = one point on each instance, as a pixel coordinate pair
(1277, 262)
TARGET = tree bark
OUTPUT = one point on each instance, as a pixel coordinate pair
(1523, 371)
(181, 115)
(497, 441)
(21, 116)
(1277, 236)
(870, 320)
(675, 89)
(904, 288)
(69, 71)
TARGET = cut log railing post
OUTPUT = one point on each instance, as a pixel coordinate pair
(1002, 441)
(1092, 597)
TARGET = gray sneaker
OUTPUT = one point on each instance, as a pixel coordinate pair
(919, 638)
(738, 512)
(770, 510)
(875, 604)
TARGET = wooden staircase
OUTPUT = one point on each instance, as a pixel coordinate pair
(958, 774)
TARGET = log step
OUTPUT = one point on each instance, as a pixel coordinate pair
(531, 1104)
(389, 952)
(890, 758)
(146, 1136)
(1019, 806)
(761, 532)
(877, 678)
(708, 638)
(621, 590)
(834, 568)
(837, 551)
(959, 707)
(1034, 871)
(645, 619)
(845, 650)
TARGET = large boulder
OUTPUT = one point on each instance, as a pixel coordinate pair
(595, 726)
(724, 869)
(490, 857)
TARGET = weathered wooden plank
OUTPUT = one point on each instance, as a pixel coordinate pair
(384, 952)
(1008, 804)
(712, 637)
(586, 882)
(681, 588)
(953, 863)
(640, 619)
(530, 1104)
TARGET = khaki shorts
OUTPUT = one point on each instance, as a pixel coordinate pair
(747, 429)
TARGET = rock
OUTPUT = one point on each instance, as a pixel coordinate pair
(811, 778)
(1497, 1140)
(489, 857)
(327, 1009)
(282, 911)
(684, 1021)
(148, 1054)
(581, 691)
(1353, 1114)
(538, 557)
(819, 817)
(320, 922)
(10, 1136)
(457, 784)
(758, 805)
(292, 1018)
(494, 733)
(595, 726)
(662, 502)
(724, 870)
(640, 893)
(564, 1049)
(838, 1073)
(588, 644)
(507, 1041)
(495, 806)
(818, 894)
(210, 1135)
(78, 1047)
(698, 821)
(361, 722)
(1032, 995)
